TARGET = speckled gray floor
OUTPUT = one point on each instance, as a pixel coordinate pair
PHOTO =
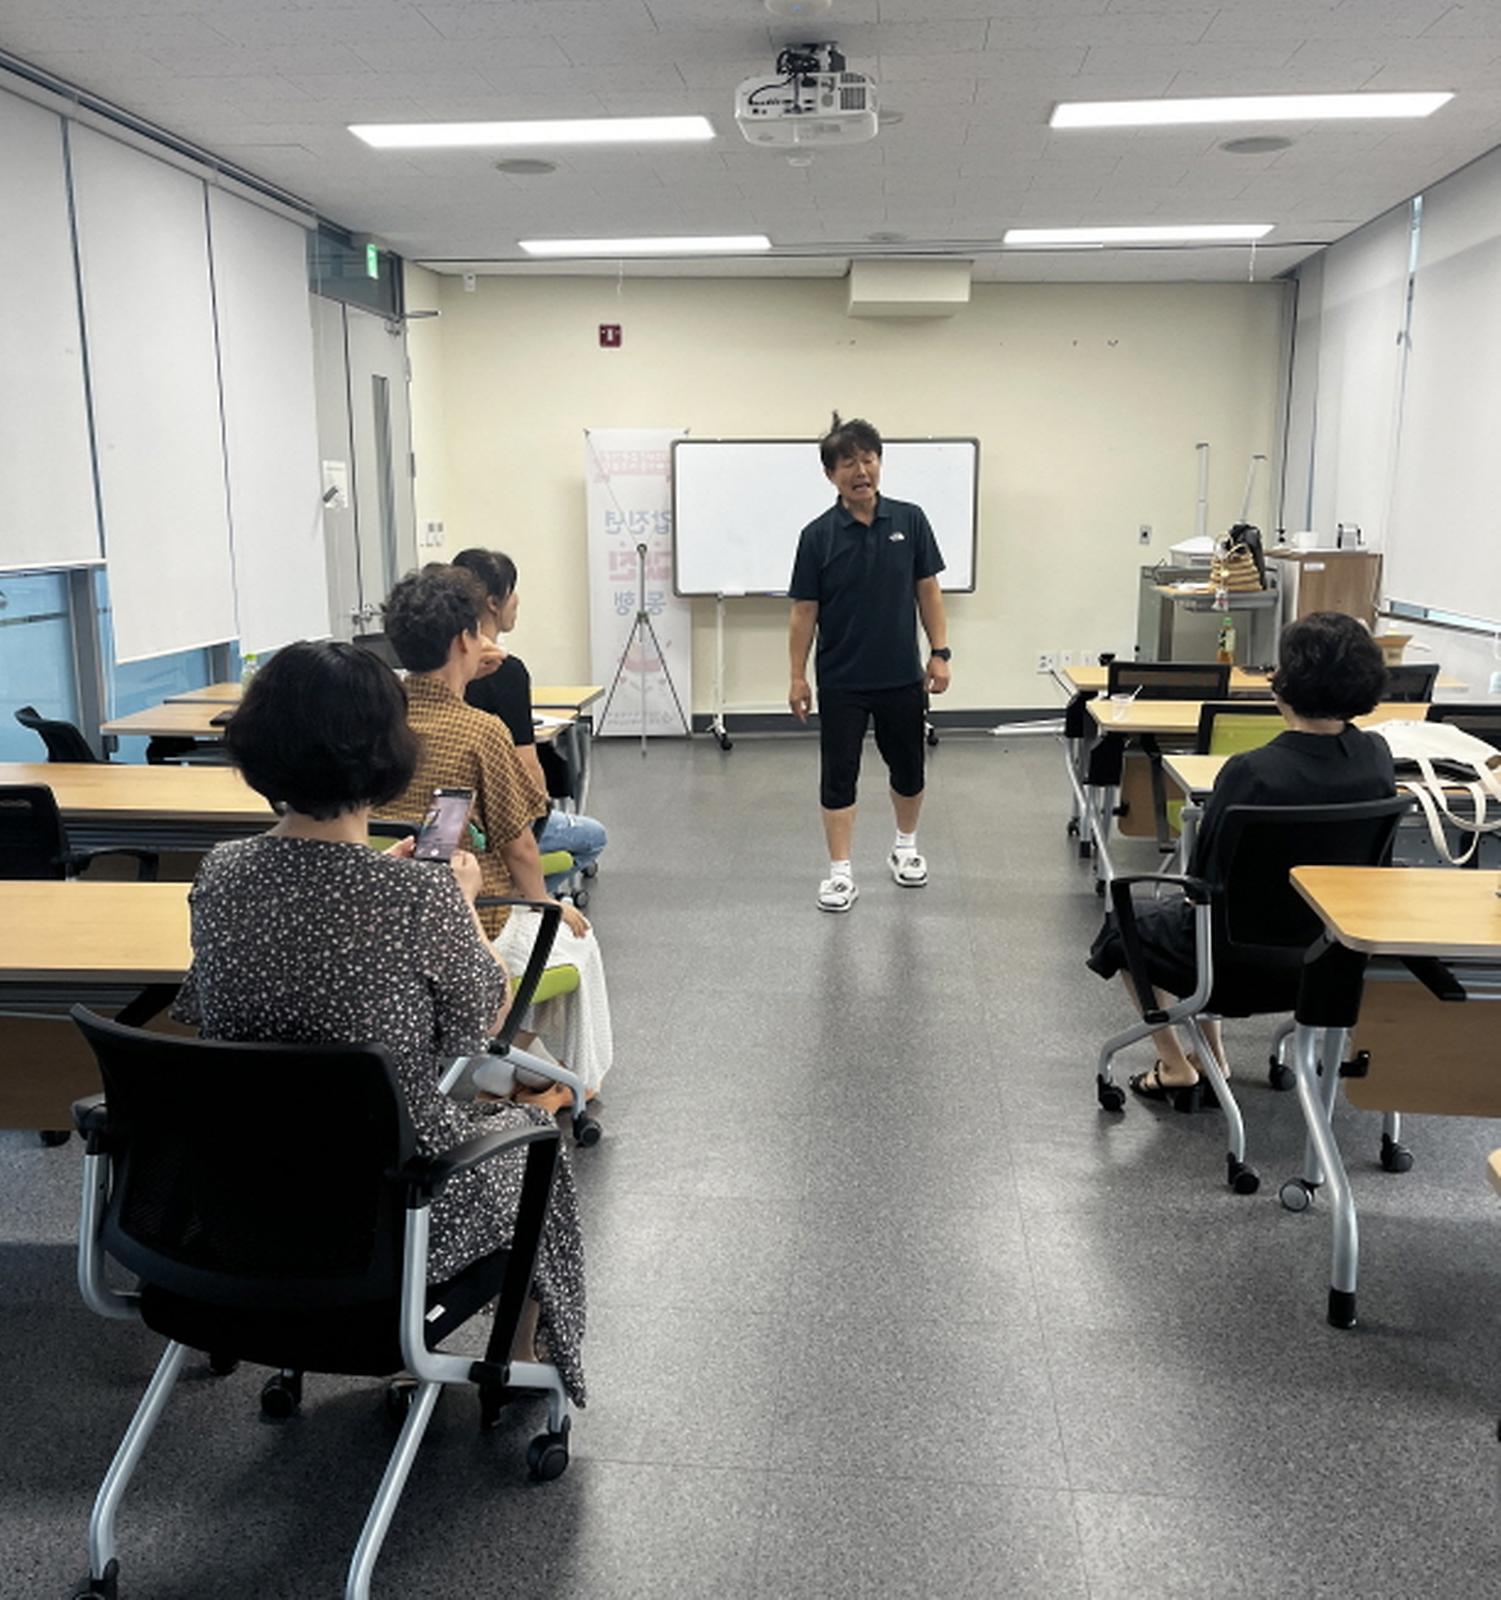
(881, 1305)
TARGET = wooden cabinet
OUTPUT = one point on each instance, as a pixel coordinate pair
(1329, 580)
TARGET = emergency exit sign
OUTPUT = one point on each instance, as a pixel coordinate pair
(372, 261)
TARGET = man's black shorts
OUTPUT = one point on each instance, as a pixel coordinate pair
(843, 715)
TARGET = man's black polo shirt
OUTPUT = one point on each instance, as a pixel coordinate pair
(864, 580)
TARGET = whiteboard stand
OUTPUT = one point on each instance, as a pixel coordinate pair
(722, 708)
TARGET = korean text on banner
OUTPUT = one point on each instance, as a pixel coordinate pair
(629, 476)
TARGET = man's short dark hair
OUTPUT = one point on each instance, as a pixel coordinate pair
(1329, 666)
(493, 568)
(323, 729)
(846, 439)
(428, 610)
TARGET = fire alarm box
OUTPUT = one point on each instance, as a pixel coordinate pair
(609, 335)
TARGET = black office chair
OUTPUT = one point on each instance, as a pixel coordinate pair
(34, 844)
(1229, 727)
(1255, 935)
(379, 645)
(1411, 683)
(64, 742)
(1170, 680)
(289, 1228)
(1482, 721)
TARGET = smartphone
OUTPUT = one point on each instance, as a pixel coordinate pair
(443, 826)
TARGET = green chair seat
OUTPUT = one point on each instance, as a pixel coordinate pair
(556, 861)
(555, 981)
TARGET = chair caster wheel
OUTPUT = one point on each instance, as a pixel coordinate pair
(1072, 831)
(592, 870)
(587, 1131)
(547, 1455)
(1111, 1096)
(400, 1393)
(724, 741)
(1241, 1178)
(1099, 887)
(105, 1588)
(1296, 1194)
(281, 1396)
(580, 898)
(222, 1365)
(1395, 1157)
(1280, 1076)
(933, 738)
(52, 1137)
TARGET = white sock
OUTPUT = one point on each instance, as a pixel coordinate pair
(841, 869)
(906, 843)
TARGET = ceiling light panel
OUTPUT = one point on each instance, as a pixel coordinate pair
(1170, 233)
(574, 130)
(703, 244)
(1243, 108)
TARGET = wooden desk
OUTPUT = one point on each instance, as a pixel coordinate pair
(119, 948)
(575, 697)
(552, 725)
(1093, 680)
(1494, 1168)
(1180, 718)
(105, 804)
(219, 694)
(1445, 1059)
(173, 719)
(1243, 682)
(1407, 911)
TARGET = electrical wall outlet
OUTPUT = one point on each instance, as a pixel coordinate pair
(1144, 533)
(1065, 659)
(1047, 661)
(1495, 687)
(1089, 658)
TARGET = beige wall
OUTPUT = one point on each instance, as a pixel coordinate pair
(1088, 401)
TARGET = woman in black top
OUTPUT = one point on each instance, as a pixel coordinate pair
(507, 694)
(1330, 671)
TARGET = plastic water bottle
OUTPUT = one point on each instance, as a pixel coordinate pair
(248, 664)
(1226, 652)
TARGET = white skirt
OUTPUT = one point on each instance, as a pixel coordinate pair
(574, 1028)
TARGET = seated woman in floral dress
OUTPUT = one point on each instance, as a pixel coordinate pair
(308, 935)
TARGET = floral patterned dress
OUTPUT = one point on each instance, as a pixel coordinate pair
(312, 941)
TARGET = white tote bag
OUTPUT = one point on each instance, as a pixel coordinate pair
(1434, 760)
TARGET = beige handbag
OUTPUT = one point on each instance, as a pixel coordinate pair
(1233, 569)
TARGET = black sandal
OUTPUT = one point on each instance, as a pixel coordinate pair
(1185, 1097)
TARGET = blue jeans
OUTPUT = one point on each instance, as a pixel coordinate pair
(582, 837)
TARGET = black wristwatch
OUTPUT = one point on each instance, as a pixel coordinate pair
(942, 652)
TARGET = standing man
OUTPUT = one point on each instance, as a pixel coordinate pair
(864, 571)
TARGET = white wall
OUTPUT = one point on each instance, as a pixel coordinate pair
(1088, 400)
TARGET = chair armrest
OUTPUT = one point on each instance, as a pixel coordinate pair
(91, 1116)
(552, 916)
(427, 1176)
(1196, 891)
(147, 861)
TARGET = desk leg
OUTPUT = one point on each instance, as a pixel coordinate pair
(1074, 757)
(1101, 809)
(1316, 1101)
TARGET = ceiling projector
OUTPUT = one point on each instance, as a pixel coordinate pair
(810, 101)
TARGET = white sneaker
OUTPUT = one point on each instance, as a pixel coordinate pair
(837, 894)
(908, 868)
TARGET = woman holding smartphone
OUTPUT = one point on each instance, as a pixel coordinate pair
(307, 935)
(506, 692)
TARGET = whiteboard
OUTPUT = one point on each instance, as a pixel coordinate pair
(738, 506)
